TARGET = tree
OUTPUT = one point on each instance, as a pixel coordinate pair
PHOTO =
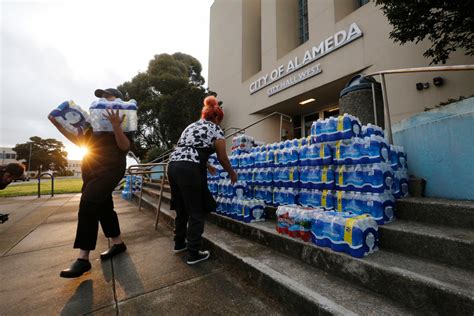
(169, 96)
(43, 152)
(449, 25)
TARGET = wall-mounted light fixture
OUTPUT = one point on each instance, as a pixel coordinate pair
(307, 101)
(438, 81)
(421, 86)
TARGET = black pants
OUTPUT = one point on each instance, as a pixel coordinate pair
(188, 192)
(96, 207)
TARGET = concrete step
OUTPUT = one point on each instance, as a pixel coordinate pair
(454, 246)
(416, 281)
(304, 289)
(156, 186)
(423, 285)
(437, 211)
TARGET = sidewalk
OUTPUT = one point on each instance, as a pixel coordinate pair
(149, 279)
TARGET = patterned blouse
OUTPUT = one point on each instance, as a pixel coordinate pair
(200, 134)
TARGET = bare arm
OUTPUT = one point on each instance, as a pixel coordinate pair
(224, 160)
(73, 138)
(122, 140)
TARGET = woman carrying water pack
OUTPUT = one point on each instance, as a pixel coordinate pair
(187, 173)
(102, 169)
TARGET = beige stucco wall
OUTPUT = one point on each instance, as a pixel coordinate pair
(372, 52)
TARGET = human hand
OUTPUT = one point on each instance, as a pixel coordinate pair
(233, 177)
(114, 117)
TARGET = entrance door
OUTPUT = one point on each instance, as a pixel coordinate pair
(307, 121)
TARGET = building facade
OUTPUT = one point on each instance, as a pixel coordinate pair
(7, 155)
(75, 166)
(295, 57)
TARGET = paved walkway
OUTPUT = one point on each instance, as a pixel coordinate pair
(149, 279)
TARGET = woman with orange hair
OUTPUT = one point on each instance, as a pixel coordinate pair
(187, 173)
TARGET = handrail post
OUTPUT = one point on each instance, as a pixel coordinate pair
(388, 124)
(158, 209)
(52, 185)
(281, 126)
(374, 101)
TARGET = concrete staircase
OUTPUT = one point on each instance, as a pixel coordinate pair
(425, 264)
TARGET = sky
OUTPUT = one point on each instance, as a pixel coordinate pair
(53, 51)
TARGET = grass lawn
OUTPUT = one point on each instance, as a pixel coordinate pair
(61, 185)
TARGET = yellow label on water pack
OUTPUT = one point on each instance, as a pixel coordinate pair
(341, 175)
(349, 226)
(340, 121)
(338, 150)
(324, 177)
(324, 198)
(339, 201)
(321, 150)
(300, 142)
(243, 211)
(292, 171)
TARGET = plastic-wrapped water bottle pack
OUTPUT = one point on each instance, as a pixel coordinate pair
(99, 121)
(72, 118)
(332, 129)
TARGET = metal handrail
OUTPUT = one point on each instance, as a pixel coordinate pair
(169, 151)
(260, 120)
(162, 157)
(146, 169)
(382, 73)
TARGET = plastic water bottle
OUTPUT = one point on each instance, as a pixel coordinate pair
(257, 211)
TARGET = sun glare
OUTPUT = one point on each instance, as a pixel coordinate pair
(76, 153)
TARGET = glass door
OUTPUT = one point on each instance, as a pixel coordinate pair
(308, 121)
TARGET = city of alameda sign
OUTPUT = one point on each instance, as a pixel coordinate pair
(325, 47)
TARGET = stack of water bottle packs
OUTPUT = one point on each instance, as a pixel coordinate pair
(132, 184)
(347, 232)
(342, 167)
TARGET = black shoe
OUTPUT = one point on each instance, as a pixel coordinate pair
(198, 256)
(113, 251)
(180, 247)
(78, 268)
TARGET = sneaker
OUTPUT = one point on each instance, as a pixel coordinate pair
(199, 256)
(180, 247)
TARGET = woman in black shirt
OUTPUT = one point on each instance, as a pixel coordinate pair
(187, 173)
(102, 169)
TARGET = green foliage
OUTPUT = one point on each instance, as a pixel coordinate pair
(64, 173)
(449, 25)
(169, 96)
(43, 152)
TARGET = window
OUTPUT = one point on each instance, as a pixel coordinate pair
(303, 21)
